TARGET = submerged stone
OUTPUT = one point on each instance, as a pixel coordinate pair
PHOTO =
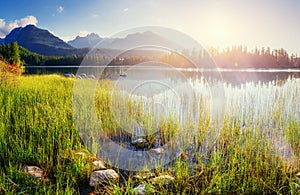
(139, 143)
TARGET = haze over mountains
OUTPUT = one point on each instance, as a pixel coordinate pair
(43, 42)
(88, 41)
(146, 38)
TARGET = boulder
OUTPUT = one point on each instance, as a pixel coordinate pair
(102, 176)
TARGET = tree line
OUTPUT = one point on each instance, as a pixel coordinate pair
(241, 57)
(234, 57)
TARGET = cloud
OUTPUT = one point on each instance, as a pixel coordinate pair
(60, 9)
(5, 28)
(126, 9)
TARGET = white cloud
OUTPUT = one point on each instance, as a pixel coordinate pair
(5, 28)
(60, 9)
(126, 9)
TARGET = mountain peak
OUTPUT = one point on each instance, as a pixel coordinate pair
(37, 40)
(30, 26)
(143, 38)
(87, 41)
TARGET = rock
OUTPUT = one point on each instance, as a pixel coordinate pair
(138, 139)
(98, 165)
(139, 143)
(144, 189)
(140, 189)
(162, 180)
(34, 171)
(99, 177)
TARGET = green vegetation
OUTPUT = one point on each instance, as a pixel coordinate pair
(11, 53)
(10, 62)
(235, 57)
(37, 128)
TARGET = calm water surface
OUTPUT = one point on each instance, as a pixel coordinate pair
(233, 76)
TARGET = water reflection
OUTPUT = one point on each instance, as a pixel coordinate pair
(233, 76)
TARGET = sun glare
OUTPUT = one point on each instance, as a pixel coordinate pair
(219, 29)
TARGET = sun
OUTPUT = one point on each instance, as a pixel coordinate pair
(219, 29)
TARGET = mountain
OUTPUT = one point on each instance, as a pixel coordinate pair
(139, 39)
(1, 41)
(130, 41)
(43, 42)
(40, 41)
(88, 41)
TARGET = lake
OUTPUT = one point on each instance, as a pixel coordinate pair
(233, 76)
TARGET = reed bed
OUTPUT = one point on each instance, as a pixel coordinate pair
(251, 146)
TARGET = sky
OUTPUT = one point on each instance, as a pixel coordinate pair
(216, 23)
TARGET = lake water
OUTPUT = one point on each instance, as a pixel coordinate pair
(233, 76)
(160, 93)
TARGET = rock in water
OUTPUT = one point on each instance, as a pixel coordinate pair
(139, 143)
(99, 177)
(137, 139)
(34, 171)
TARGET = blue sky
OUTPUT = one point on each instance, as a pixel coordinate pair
(218, 23)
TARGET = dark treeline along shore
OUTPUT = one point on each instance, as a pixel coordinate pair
(234, 58)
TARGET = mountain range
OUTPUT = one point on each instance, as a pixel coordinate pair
(89, 41)
(43, 42)
(130, 41)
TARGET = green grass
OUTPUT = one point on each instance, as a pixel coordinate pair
(37, 128)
